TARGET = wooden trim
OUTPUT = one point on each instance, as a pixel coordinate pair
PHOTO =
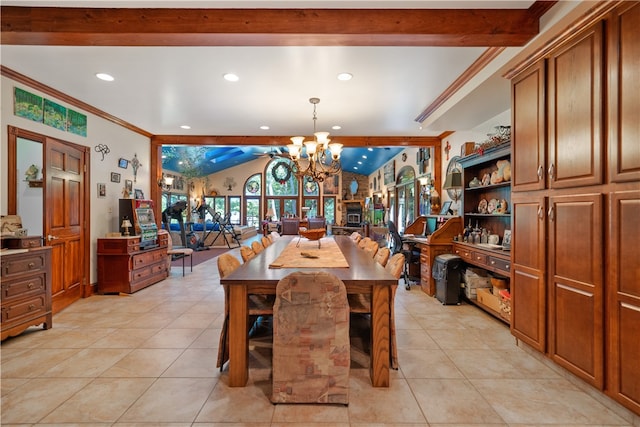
(48, 90)
(12, 168)
(591, 17)
(268, 27)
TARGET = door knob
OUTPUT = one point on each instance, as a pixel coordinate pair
(50, 237)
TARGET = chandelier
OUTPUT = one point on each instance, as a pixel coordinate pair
(317, 166)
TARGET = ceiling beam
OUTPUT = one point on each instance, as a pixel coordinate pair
(269, 27)
(282, 141)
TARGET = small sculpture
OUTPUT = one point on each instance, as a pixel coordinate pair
(32, 173)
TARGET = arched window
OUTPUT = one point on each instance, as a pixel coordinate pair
(252, 193)
(281, 189)
(311, 197)
(406, 197)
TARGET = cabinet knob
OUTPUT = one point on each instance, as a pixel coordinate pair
(31, 264)
(507, 266)
(550, 214)
(32, 307)
(540, 172)
(493, 263)
(30, 285)
(552, 171)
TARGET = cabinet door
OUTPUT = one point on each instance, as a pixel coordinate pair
(575, 105)
(528, 129)
(528, 294)
(624, 299)
(575, 278)
(624, 102)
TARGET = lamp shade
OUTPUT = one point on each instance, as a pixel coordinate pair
(453, 180)
(126, 223)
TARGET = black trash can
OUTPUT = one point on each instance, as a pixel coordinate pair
(446, 272)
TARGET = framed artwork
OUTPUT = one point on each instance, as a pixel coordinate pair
(123, 163)
(28, 105)
(139, 194)
(128, 184)
(55, 115)
(506, 239)
(115, 177)
(445, 208)
(390, 172)
(102, 190)
(330, 185)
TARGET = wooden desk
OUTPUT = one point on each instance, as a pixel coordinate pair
(364, 276)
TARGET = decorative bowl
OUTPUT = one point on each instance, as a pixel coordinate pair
(313, 234)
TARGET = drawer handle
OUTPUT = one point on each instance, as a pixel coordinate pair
(507, 266)
(31, 264)
(32, 307)
(540, 172)
(478, 258)
(30, 285)
(493, 263)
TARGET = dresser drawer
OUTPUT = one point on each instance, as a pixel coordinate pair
(148, 270)
(146, 258)
(118, 245)
(25, 264)
(23, 287)
(27, 242)
(500, 264)
(24, 309)
(479, 258)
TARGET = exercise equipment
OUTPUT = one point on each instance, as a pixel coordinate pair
(174, 211)
(224, 228)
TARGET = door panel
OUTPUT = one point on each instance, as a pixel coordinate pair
(575, 278)
(65, 219)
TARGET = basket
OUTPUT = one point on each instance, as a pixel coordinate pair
(313, 234)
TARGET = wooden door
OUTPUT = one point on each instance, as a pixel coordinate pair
(65, 223)
(575, 280)
(528, 156)
(575, 112)
(528, 250)
(624, 87)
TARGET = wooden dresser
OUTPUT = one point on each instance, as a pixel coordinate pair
(26, 290)
(123, 267)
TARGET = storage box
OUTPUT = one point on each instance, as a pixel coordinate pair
(476, 278)
(487, 299)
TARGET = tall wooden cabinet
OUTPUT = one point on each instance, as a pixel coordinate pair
(576, 170)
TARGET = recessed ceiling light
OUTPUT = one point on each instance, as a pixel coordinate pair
(336, 127)
(355, 167)
(264, 127)
(104, 76)
(345, 76)
(359, 162)
(185, 127)
(364, 156)
(370, 149)
(230, 77)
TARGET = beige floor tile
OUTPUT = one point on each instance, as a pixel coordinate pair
(194, 363)
(172, 338)
(102, 401)
(209, 338)
(544, 401)
(458, 339)
(73, 338)
(153, 320)
(35, 363)
(170, 400)
(144, 362)
(193, 320)
(452, 401)
(90, 362)
(382, 405)
(38, 397)
(238, 404)
(427, 364)
(7, 385)
(125, 338)
(308, 413)
(415, 339)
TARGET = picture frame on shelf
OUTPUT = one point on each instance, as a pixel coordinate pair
(506, 239)
(123, 163)
(139, 194)
(446, 207)
(115, 177)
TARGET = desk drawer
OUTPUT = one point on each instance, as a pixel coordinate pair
(146, 258)
(500, 264)
(479, 258)
(464, 254)
(28, 263)
(24, 309)
(23, 287)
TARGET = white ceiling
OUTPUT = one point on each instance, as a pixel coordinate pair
(159, 89)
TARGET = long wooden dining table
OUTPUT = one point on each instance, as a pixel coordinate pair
(363, 276)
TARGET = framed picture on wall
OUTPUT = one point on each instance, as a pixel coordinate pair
(390, 172)
(115, 177)
(330, 185)
(123, 163)
(102, 190)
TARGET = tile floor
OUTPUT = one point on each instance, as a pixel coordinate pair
(149, 359)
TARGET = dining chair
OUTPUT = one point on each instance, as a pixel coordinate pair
(246, 253)
(265, 241)
(411, 252)
(259, 305)
(274, 235)
(355, 236)
(290, 226)
(311, 348)
(316, 223)
(363, 242)
(371, 248)
(383, 256)
(361, 303)
(178, 253)
(257, 247)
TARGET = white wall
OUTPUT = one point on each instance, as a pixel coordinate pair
(121, 142)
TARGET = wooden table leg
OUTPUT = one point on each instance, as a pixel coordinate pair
(238, 336)
(380, 316)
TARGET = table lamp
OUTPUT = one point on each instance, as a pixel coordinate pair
(126, 224)
(270, 214)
